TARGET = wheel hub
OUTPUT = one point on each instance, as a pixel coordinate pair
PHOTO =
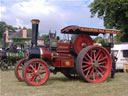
(83, 45)
(37, 72)
(95, 64)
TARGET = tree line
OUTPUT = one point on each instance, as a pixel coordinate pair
(114, 14)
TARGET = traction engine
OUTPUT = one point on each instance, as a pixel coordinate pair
(9, 56)
(78, 58)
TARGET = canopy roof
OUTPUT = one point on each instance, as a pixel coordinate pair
(86, 30)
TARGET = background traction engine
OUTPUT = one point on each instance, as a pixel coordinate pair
(78, 58)
(9, 56)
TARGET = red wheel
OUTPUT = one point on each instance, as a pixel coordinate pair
(36, 72)
(80, 42)
(94, 64)
(19, 68)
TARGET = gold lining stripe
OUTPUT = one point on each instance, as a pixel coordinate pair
(41, 53)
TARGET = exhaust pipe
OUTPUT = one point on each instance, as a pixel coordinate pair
(4, 42)
(35, 23)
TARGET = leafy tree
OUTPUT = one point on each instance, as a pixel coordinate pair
(2, 28)
(11, 28)
(98, 39)
(20, 39)
(29, 30)
(114, 13)
(101, 40)
(45, 36)
(3, 25)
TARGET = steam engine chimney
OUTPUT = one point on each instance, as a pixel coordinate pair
(35, 23)
(4, 42)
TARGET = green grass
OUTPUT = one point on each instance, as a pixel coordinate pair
(58, 85)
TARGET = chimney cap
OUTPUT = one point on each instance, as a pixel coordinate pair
(35, 21)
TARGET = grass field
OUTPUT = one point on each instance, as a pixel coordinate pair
(58, 85)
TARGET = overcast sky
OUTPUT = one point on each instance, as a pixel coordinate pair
(53, 14)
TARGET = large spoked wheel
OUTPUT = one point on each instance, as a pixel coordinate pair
(35, 72)
(94, 64)
(19, 68)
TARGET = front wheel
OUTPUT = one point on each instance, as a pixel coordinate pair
(19, 68)
(35, 72)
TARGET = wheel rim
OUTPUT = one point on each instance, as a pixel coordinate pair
(96, 64)
(80, 42)
(19, 69)
(36, 72)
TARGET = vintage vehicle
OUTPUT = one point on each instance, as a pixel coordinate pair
(77, 58)
(9, 55)
(121, 52)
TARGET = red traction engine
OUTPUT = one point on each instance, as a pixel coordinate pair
(78, 58)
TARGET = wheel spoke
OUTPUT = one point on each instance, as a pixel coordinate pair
(86, 58)
(33, 78)
(87, 73)
(43, 72)
(87, 68)
(105, 67)
(94, 55)
(98, 54)
(36, 79)
(32, 67)
(99, 57)
(101, 70)
(38, 66)
(102, 59)
(92, 71)
(85, 62)
(99, 73)
(89, 56)
(102, 62)
(40, 78)
(29, 70)
(35, 65)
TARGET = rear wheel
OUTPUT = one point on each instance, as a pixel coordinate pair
(35, 72)
(94, 64)
(19, 68)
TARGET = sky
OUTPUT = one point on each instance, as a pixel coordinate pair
(53, 14)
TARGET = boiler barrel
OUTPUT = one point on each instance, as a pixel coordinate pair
(11, 55)
(42, 53)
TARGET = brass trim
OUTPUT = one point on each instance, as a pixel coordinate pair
(35, 21)
(41, 53)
